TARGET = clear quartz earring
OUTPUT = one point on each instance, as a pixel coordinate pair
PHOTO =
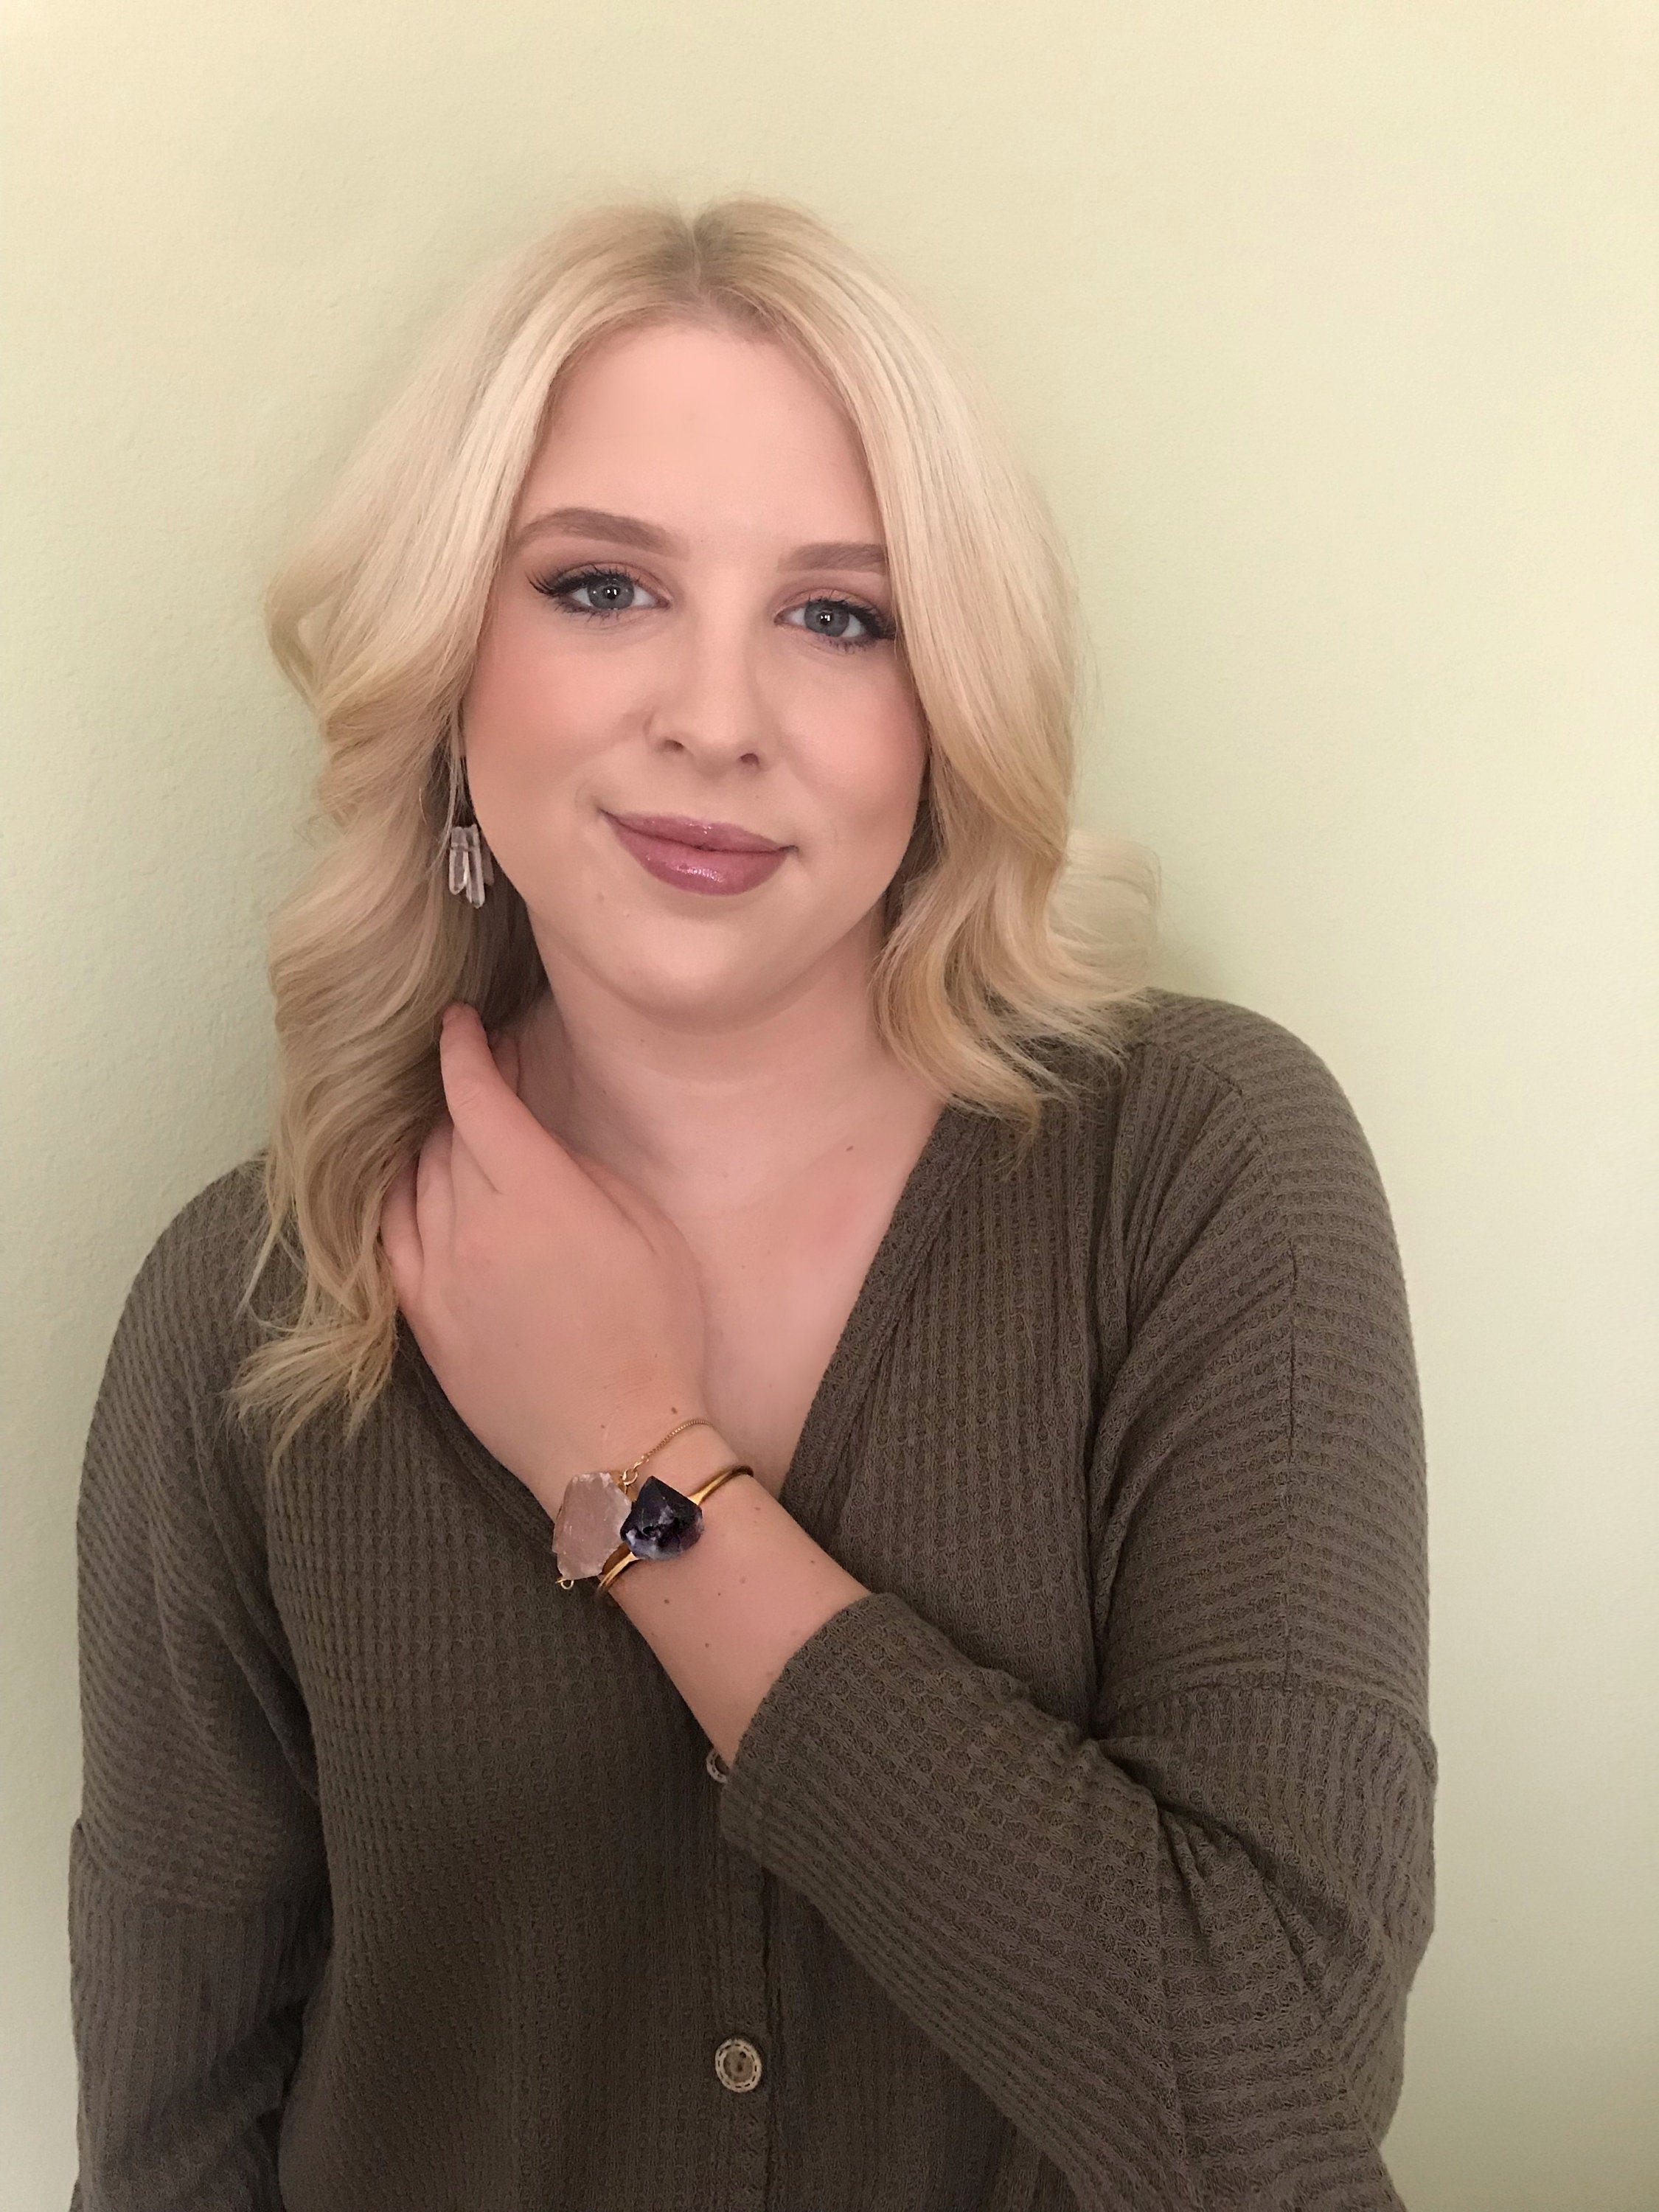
(470, 868)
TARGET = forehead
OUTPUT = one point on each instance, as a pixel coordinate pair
(703, 420)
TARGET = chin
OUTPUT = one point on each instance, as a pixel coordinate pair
(681, 971)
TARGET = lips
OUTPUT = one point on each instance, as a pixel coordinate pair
(706, 836)
(717, 857)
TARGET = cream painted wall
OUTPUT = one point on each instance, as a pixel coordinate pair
(1331, 329)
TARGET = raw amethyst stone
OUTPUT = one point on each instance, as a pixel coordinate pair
(663, 1524)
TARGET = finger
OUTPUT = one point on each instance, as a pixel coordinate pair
(507, 1140)
(504, 1051)
(435, 1197)
(400, 1235)
(470, 1188)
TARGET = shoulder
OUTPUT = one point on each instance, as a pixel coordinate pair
(186, 1318)
(1278, 1086)
(209, 1243)
(1163, 1033)
(173, 1495)
(1209, 1100)
(1168, 1045)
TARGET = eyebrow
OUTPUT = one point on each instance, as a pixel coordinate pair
(629, 530)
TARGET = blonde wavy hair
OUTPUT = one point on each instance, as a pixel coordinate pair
(999, 931)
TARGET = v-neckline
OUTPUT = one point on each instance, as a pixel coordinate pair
(814, 1481)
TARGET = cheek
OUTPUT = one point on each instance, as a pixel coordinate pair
(528, 713)
(879, 778)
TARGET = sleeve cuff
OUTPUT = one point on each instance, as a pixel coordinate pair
(821, 1714)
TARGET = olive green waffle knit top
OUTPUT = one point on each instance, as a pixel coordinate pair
(1087, 1861)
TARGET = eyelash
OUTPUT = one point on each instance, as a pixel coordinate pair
(567, 580)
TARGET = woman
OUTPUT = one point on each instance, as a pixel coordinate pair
(774, 1556)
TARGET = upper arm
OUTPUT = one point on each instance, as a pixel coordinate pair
(1259, 1481)
(198, 1898)
(199, 1773)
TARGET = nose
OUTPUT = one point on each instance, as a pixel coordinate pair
(711, 704)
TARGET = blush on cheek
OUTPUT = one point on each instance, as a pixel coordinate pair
(533, 726)
(878, 840)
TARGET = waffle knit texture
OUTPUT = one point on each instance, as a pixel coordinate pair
(1086, 1862)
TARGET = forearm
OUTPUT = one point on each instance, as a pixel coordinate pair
(726, 1616)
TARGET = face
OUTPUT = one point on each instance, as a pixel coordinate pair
(688, 650)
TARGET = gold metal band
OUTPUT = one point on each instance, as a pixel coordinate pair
(622, 1558)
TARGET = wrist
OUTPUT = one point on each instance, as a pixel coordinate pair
(688, 1461)
(690, 1482)
(683, 1462)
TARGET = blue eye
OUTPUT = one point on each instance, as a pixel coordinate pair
(599, 581)
(876, 628)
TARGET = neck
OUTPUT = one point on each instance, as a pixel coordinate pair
(709, 1117)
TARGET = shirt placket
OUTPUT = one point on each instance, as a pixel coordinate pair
(743, 2058)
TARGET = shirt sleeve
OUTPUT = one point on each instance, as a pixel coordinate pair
(1173, 1949)
(197, 1896)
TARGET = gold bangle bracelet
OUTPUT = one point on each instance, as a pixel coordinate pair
(617, 1567)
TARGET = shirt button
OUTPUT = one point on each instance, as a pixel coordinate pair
(715, 1764)
(737, 2063)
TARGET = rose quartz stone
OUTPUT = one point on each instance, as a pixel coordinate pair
(588, 1527)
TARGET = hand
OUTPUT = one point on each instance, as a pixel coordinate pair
(558, 1308)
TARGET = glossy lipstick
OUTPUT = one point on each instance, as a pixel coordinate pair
(697, 856)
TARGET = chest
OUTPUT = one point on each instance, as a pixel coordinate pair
(777, 1293)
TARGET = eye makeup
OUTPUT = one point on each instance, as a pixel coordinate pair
(559, 585)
